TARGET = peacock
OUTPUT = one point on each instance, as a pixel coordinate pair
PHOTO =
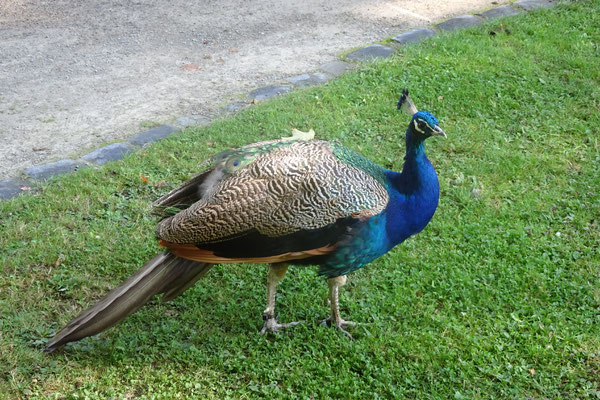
(295, 201)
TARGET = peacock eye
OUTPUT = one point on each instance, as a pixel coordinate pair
(420, 125)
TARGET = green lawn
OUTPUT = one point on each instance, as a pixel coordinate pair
(499, 297)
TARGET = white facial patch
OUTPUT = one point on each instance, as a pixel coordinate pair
(417, 127)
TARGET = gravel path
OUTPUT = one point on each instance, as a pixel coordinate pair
(77, 74)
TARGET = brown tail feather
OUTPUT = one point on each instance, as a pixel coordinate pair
(188, 276)
(165, 273)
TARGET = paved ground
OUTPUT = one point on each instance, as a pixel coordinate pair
(77, 74)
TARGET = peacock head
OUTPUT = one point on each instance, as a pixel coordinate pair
(423, 123)
(426, 124)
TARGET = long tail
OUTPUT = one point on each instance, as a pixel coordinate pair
(165, 273)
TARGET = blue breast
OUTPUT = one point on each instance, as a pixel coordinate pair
(413, 202)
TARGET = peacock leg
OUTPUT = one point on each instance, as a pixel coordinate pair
(276, 273)
(334, 292)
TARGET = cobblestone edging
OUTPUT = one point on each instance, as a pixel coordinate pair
(12, 187)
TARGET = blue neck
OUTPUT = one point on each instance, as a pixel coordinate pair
(415, 161)
(417, 172)
(414, 192)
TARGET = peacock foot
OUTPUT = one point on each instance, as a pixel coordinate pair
(342, 325)
(272, 325)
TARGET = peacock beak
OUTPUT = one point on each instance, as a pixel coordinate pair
(439, 132)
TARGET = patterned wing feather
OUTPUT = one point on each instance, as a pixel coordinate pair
(297, 195)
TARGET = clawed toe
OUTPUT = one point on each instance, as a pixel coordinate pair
(271, 324)
(342, 325)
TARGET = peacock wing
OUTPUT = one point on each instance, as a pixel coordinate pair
(216, 168)
(286, 197)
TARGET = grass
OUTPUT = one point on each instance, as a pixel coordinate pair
(498, 298)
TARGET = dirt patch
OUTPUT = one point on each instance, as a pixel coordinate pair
(77, 74)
